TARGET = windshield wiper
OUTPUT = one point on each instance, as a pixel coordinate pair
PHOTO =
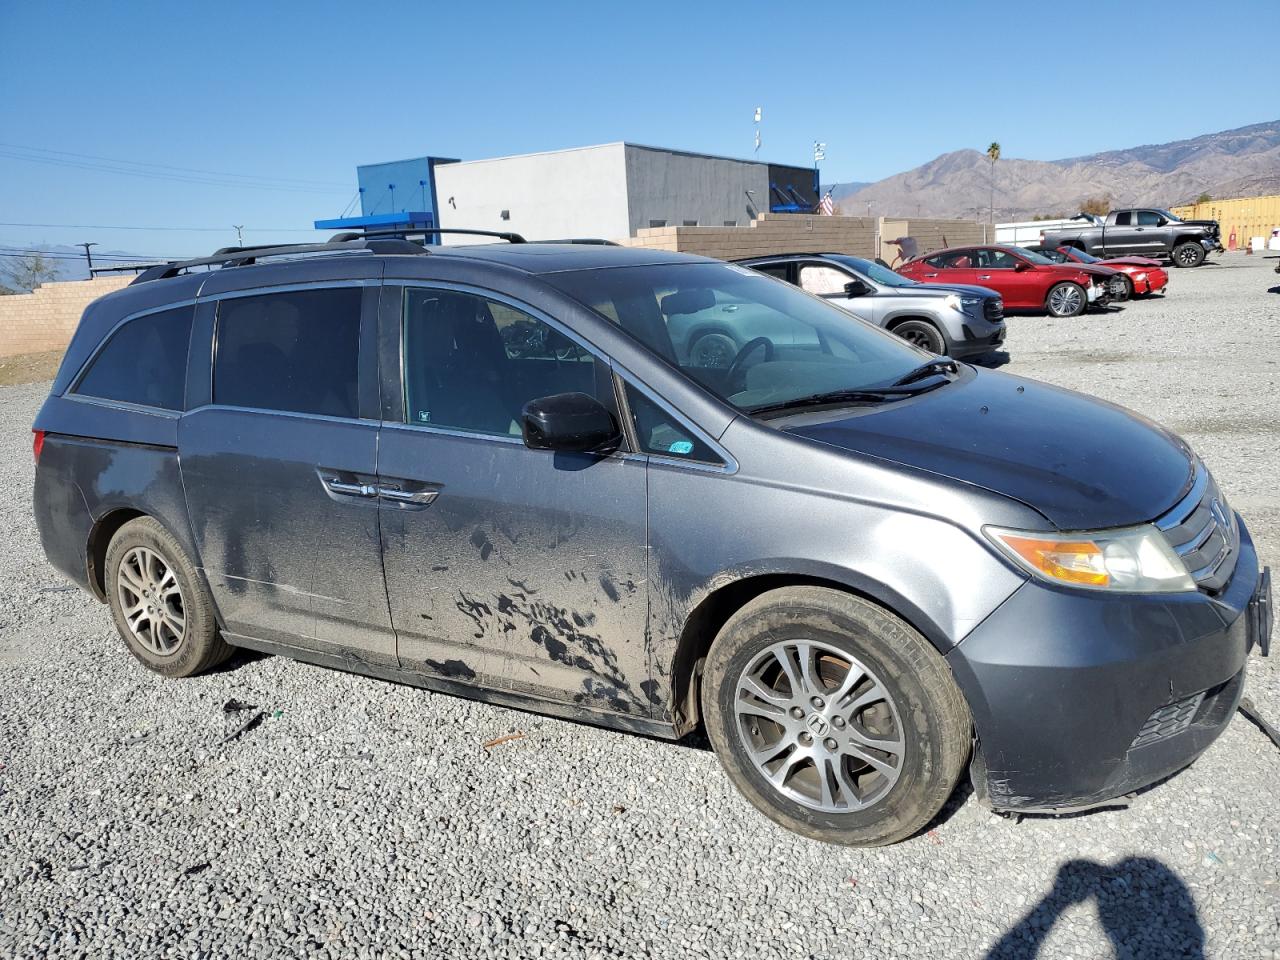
(877, 395)
(940, 365)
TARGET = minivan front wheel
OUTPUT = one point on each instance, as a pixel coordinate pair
(835, 718)
(161, 607)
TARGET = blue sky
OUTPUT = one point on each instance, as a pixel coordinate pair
(305, 92)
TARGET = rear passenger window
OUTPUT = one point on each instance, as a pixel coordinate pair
(297, 352)
(144, 362)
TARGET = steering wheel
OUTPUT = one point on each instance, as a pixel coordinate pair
(736, 368)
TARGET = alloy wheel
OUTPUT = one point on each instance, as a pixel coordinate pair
(151, 601)
(1065, 300)
(819, 726)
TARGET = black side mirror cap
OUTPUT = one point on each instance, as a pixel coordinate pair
(856, 288)
(570, 423)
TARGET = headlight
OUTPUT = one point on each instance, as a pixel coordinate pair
(952, 300)
(971, 301)
(1139, 276)
(1131, 559)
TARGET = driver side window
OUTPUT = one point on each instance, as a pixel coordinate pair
(1148, 218)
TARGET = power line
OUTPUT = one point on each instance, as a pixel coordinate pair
(166, 166)
(178, 178)
(119, 226)
(62, 255)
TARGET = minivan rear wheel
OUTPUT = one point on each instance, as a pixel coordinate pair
(834, 717)
(161, 607)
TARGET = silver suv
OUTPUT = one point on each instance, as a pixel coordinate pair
(956, 320)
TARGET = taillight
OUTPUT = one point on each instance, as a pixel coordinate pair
(37, 443)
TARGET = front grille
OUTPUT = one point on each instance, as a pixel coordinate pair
(1203, 530)
(993, 309)
(1168, 721)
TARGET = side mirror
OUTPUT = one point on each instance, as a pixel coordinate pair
(571, 423)
(856, 288)
(1161, 222)
(1020, 266)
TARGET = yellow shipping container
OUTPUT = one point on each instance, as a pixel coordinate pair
(1246, 217)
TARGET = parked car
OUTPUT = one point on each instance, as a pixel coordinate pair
(1143, 276)
(1026, 280)
(959, 321)
(856, 564)
(1147, 232)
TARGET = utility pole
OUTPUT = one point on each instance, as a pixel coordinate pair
(239, 229)
(88, 256)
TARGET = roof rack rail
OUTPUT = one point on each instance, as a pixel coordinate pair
(243, 256)
(403, 232)
(589, 241)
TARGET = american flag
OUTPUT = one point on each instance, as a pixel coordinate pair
(827, 207)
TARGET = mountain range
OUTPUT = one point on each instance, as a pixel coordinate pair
(1244, 162)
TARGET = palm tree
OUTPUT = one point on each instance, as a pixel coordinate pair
(993, 154)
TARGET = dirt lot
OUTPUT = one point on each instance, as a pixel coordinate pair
(365, 819)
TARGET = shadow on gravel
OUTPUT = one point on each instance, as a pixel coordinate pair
(240, 658)
(996, 358)
(1144, 907)
(1275, 289)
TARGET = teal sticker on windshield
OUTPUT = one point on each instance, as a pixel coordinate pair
(681, 446)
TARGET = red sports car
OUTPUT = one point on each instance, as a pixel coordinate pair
(1026, 280)
(1144, 275)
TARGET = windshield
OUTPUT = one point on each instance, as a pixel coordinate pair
(1169, 216)
(869, 268)
(1032, 256)
(751, 340)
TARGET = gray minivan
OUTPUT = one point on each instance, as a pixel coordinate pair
(495, 471)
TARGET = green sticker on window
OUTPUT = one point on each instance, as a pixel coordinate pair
(681, 446)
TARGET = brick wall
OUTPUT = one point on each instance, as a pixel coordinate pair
(789, 233)
(45, 319)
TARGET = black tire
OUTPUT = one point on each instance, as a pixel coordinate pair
(923, 334)
(1066, 299)
(1188, 254)
(200, 646)
(931, 718)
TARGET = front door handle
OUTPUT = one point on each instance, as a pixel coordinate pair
(349, 489)
(984, 276)
(419, 498)
(930, 274)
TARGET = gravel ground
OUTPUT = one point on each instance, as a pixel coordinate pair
(364, 819)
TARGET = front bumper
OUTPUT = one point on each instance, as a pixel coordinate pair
(1078, 698)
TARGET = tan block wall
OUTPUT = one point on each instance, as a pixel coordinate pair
(794, 233)
(44, 319)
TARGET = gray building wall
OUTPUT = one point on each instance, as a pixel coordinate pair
(608, 191)
(676, 187)
(550, 196)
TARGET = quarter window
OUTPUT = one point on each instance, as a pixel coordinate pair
(296, 351)
(471, 363)
(661, 434)
(144, 362)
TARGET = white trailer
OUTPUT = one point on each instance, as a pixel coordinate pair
(1025, 233)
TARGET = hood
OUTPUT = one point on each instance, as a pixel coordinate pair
(942, 289)
(1131, 262)
(1081, 462)
(1097, 269)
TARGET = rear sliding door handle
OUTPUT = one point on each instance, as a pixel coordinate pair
(349, 489)
(419, 497)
